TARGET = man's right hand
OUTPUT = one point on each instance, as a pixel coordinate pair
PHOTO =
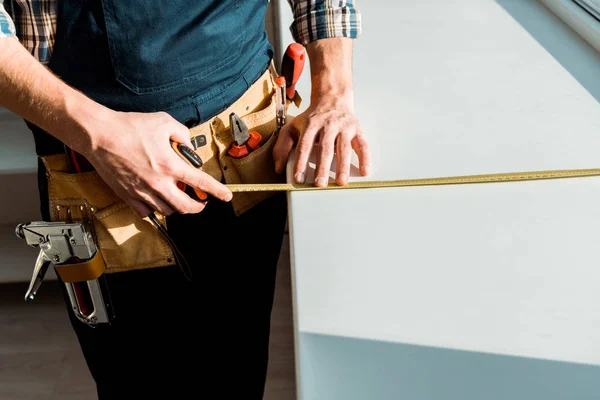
(132, 153)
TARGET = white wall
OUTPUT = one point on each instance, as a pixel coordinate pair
(19, 201)
(460, 292)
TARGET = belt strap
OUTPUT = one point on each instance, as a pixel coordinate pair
(81, 272)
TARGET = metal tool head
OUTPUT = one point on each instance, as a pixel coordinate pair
(239, 130)
(198, 141)
(60, 241)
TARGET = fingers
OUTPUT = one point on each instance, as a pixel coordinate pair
(180, 171)
(201, 180)
(141, 208)
(160, 205)
(283, 147)
(166, 198)
(344, 158)
(183, 203)
(359, 144)
(303, 152)
(325, 156)
(171, 200)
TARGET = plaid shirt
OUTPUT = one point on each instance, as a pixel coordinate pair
(34, 22)
(319, 19)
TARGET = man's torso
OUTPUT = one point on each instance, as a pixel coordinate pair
(191, 59)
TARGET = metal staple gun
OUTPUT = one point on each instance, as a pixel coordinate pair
(70, 247)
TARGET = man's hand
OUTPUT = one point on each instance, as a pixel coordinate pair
(139, 164)
(130, 151)
(328, 121)
(331, 124)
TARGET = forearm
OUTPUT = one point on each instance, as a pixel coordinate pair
(331, 69)
(31, 91)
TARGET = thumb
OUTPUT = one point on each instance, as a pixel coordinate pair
(283, 147)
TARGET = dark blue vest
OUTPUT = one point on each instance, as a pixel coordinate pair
(190, 58)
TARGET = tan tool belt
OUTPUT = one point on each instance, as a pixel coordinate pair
(127, 241)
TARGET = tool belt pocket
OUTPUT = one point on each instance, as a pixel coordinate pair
(125, 240)
(258, 166)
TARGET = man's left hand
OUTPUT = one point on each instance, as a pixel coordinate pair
(330, 123)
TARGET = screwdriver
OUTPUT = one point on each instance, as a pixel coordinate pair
(280, 99)
(292, 66)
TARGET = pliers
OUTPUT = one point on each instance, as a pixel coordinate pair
(244, 141)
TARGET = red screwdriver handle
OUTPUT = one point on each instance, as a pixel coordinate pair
(292, 66)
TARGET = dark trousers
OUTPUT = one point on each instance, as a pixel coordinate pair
(203, 339)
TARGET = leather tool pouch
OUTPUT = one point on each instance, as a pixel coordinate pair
(256, 167)
(257, 108)
(125, 240)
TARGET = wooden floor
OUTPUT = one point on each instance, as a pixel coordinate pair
(40, 357)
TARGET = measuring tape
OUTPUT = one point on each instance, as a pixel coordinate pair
(449, 180)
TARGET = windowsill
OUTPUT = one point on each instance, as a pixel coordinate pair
(578, 19)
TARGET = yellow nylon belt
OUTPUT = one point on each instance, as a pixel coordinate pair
(449, 180)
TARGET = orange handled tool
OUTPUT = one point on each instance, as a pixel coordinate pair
(244, 141)
(190, 156)
(292, 66)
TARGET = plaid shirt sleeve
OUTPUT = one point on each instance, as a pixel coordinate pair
(319, 19)
(33, 22)
(7, 27)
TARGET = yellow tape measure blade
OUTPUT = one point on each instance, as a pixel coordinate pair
(448, 180)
